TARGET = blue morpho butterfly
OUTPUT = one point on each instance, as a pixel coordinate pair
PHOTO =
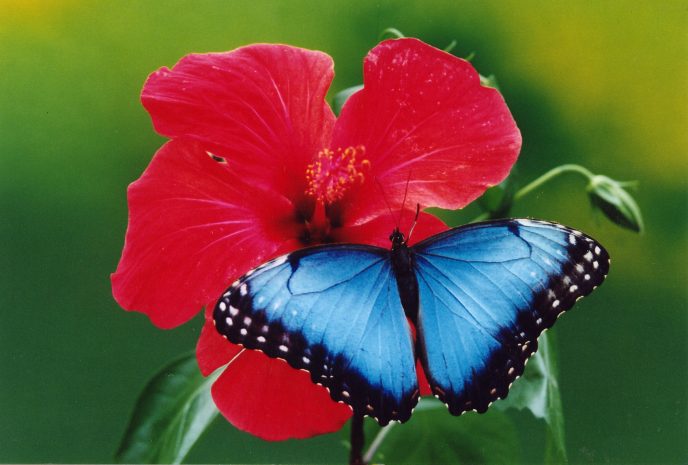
(479, 296)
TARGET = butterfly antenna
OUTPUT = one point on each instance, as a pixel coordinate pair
(403, 202)
(415, 221)
(384, 197)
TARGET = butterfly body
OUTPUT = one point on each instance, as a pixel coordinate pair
(478, 296)
(402, 260)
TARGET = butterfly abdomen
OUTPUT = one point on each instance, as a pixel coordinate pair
(404, 271)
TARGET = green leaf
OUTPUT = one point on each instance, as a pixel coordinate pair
(342, 96)
(538, 392)
(174, 409)
(434, 436)
(610, 197)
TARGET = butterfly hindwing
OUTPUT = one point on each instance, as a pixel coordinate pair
(487, 291)
(335, 312)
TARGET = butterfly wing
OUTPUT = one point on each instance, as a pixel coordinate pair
(335, 312)
(487, 291)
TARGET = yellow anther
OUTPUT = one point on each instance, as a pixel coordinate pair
(333, 173)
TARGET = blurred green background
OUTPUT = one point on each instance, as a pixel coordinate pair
(604, 84)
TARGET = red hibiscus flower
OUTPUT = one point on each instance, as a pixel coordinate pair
(258, 166)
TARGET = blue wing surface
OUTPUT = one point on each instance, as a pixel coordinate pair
(334, 311)
(487, 291)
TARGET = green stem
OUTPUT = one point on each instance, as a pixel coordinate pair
(553, 173)
(377, 441)
(392, 33)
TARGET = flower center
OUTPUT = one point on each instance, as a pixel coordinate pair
(333, 173)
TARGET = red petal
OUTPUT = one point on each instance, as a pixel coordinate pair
(213, 350)
(262, 106)
(377, 231)
(425, 120)
(194, 226)
(423, 384)
(268, 398)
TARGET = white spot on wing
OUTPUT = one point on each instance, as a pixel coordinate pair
(233, 311)
(223, 306)
(588, 256)
(243, 290)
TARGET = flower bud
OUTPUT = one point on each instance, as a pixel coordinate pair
(342, 96)
(610, 197)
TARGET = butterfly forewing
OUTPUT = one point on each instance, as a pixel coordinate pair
(334, 311)
(487, 291)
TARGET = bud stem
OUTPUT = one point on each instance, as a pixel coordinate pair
(553, 173)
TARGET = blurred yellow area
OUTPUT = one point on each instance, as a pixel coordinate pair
(34, 13)
(625, 62)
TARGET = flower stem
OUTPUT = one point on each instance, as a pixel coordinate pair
(375, 445)
(357, 439)
(553, 173)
